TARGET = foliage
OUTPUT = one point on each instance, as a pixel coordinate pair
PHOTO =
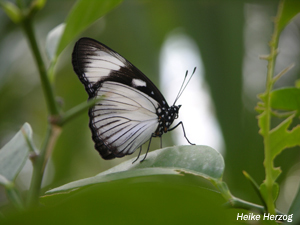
(189, 176)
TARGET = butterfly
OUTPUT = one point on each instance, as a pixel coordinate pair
(131, 111)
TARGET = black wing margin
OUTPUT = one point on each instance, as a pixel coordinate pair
(95, 63)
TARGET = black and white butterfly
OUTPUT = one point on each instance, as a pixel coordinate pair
(132, 109)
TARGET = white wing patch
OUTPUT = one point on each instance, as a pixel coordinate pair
(125, 119)
(101, 63)
(138, 83)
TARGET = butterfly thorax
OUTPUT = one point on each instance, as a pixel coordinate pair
(166, 116)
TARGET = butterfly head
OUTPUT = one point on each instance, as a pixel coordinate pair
(174, 110)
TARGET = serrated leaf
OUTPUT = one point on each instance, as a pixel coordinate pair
(282, 138)
(200, 161)
(14, 155)
(275, 173)
(261, 123)
(264, 191)
(83, 14)
(262, 96)
(290, 9)
(286, 99)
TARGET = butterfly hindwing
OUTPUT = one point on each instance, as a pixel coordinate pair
(123, 120)
(126, 117)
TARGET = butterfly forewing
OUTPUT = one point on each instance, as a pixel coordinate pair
(94, 63)
(126, 117)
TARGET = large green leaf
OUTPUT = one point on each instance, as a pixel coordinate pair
(200, 161)
(83, 14)
(127, 201)
(14, 154)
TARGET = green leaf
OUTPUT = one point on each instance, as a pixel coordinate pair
(282, 138)
(83, 14)
(200, 161)
(286, 99)
(53, 40)
(290, 9)
(171, 201)
(12, 11)
(38, 4)
(14, 155)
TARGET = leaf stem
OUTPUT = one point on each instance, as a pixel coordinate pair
(72, 113)
(242, 204)
(268, 162)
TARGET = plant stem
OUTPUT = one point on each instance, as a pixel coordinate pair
(40, 160)
(47, 88)
(268, 163)
(39, 164)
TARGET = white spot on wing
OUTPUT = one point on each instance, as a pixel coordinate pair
(138, 83)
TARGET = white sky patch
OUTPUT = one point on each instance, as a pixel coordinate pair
(180, 53)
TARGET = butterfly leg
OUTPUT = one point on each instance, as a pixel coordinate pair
(138, 155)
(147, 149)
(180, 123)
(160, 142)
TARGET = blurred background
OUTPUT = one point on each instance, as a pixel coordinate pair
(223, 39)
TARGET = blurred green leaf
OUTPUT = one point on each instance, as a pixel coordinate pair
(282, 138)
(172, 201)
(38, 4)
(12, 11)
(290, 9)
(83, 14)
(14, 155)
(53, 40)
(200, 161)
(294, 209)
(286, 99)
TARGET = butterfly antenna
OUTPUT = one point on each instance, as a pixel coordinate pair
(183, 88)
